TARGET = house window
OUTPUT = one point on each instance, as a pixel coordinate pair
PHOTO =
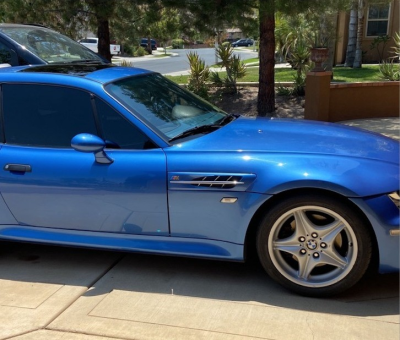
(378, 20)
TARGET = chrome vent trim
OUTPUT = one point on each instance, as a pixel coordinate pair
(210, 181)
(227, 182)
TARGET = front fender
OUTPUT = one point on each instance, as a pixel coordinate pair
(350, 177)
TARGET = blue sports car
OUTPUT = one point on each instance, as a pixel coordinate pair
(121, 158)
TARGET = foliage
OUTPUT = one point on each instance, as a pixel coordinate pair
(140, 52)
(299, 84)
(126, 63)
(235, 68)
(199, 75)
(177, 43)
(390, 69)
(283, 91)
(341, 74)
(379, 44)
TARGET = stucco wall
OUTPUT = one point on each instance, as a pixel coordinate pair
(332, 102)
(364, 100)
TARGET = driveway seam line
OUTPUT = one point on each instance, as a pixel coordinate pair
(98, 278)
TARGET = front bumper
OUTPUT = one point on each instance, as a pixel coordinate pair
(384, 217)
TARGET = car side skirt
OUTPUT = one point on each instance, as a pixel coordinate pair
(200, 248)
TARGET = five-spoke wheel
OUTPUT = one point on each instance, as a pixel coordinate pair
(316, 246)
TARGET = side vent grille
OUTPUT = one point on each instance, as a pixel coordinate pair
(226, 182)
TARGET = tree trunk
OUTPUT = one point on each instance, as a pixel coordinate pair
(360, 32)
(149, 47)
(352, 40)
(103, 33)
(266, 89)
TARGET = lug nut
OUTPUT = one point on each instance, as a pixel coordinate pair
(323, 245)
(302, 239)
(316, 255)
(314, 235)
(303, 251)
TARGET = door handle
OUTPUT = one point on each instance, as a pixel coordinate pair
(18, 167)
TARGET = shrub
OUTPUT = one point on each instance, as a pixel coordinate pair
(235, 69)
(140, 52)
(390, 70)
(128, 50)
(199, 74)
(177, 43)
(283, 91)
(126, 63)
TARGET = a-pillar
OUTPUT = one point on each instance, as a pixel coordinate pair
(317, 96)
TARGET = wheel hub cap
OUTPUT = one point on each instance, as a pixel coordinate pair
(312, 244)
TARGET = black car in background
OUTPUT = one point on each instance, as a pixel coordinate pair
(143, 43)
(35, 45)
(243, 42)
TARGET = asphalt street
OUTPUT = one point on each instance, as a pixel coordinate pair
(178, 60)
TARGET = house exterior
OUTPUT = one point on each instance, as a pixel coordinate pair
(233, 34)
(379, 19)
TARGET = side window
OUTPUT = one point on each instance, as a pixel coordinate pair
(118, 132)
(5, 54)
(45, 115)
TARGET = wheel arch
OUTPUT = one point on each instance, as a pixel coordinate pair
(250, 239)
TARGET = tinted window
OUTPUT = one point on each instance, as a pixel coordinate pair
(163, 104)
(91, 41)
(118, 132)
(5, 54)
(42, 115)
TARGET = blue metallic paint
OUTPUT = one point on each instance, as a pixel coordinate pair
(383, 216)
(144, 244)
(104, 205)
(338, 159)
(201, 215)
(69, 190)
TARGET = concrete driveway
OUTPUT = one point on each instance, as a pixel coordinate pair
(65, 293)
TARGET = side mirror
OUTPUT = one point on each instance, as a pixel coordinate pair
(86, 142)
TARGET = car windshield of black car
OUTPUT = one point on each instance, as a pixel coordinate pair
(50, 46)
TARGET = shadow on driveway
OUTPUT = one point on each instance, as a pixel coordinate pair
(377, 295)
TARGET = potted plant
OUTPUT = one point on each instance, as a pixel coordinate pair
(319, 51)
(323, 34)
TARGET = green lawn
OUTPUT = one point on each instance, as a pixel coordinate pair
(252, 60)
(340, 74)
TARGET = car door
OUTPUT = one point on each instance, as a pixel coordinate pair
(46, 183)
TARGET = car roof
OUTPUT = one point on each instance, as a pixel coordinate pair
(100, 73)
(5, 25)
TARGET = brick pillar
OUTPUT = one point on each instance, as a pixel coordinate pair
(317, 96)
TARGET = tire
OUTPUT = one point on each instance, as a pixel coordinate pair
(315, 246)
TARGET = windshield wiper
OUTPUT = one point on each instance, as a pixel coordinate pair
(227, 119)
(196, 130)
(85, 61)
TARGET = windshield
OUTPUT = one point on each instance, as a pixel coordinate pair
(163, 104)
(49, 45)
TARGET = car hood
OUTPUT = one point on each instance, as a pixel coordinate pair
(296, 137)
